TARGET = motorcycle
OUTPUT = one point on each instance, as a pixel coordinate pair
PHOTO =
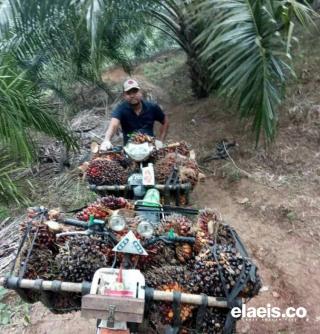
(118, 296)
(143, 177)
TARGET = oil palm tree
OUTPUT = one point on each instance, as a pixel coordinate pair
(23, 112)
(251, 41)
(24, 109)
(242, 47)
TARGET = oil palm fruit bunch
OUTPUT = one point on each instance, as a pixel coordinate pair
(106, 172)
(189, 172)
(145, 262)
(207, 271)
(164, 168)
(140, 138)
(96, 209)
(213, 228)
(188, 169)
(113, 203)
(102, 208)
(45, 238)
(202, 242)
(159, 255)
(160, 275)
(184, 252)
(223, 234)
(168, 278)
(205, 217)
(204, 278)
(118, 157)
(80, 257)
(40, 264)
(180, 148)
(180, 224)
(166, 310)
(213, 321)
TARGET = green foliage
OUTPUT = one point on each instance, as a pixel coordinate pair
(4, 212)
(231, 173)
(164, 67)
(23, 109)
(242, 48)
(9, 190)
(67, 191)
(291, 215)
(250, 41)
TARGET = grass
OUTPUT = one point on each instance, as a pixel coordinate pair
(66, 191)
(4, 212)
(164, 67)
(11, 308)
(170, 71)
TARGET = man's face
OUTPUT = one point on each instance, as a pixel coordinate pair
(133, 96)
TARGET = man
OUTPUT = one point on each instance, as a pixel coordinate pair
(134, 115)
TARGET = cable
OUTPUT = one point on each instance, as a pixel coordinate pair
(243, 171)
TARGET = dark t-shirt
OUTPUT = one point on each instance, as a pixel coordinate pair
(131, 122)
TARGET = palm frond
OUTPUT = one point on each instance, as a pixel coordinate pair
(22, 109)
(250, 57)
(302, 11)
(9, 189)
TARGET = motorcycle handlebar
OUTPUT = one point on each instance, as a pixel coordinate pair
(169, 240)
(166, 239)
(75, 222)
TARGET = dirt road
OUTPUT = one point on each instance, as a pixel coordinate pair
(271, 199)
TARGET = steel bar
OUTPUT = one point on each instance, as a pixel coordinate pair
(190, 299)
(46, 285)
(181, 186)
(157, 294)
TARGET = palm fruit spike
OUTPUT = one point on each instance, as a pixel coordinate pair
(113, 202)
(181, 225)
(180, 148)
(140, 138)
(45, 237)
(204, 217)
(97, 210)
(188, 169)
(184, 252)
(80, 257)
(106, 172)
(166, 308)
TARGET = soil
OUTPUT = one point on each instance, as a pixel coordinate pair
(271, 197)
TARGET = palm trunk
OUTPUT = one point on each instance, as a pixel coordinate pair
(200, 80)
(198, 76)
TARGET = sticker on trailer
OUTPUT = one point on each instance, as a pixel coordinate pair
(130, 244)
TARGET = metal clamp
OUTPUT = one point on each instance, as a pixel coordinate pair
(110, 316)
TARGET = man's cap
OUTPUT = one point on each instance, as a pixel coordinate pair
(129, 84)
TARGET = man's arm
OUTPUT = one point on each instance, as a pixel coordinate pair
(112, 128)
(164, 128)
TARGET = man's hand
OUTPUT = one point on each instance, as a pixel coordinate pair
(106, 145)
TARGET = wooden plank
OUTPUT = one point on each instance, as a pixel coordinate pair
(122, 304)
(118, 317)
(113, 331)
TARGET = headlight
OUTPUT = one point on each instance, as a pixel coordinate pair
(145, 229)
(117, 223)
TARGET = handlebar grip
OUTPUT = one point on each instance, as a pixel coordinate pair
(75, 222)
(169, 240)
(189, 240)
